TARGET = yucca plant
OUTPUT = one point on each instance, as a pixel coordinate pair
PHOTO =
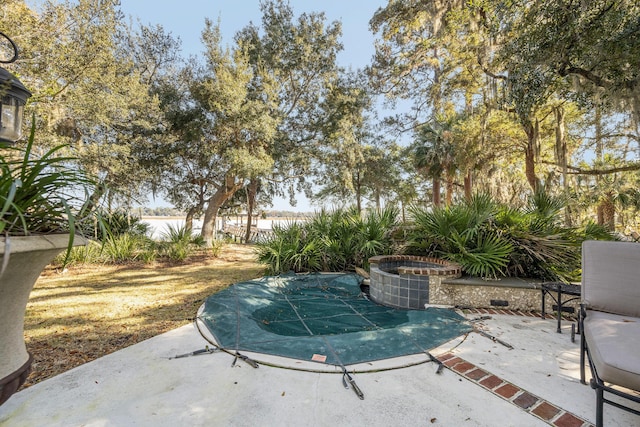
(42, 194)
(123, 247)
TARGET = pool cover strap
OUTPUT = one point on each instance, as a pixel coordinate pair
(323, 318)
(348, 380)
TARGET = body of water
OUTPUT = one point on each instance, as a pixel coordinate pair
(159, 225)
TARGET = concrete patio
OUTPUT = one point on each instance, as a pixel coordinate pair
(484, 383)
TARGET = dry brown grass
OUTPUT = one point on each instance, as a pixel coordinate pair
(88, 312)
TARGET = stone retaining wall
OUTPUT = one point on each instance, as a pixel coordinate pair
(511, 293)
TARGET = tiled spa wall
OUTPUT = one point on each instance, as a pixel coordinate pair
(402, 281)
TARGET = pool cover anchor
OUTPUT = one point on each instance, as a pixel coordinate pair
(205, 350)
(245, 359)
(479, 319)
(348, 379)
(235, 354)
(494, 339)
(440, 365)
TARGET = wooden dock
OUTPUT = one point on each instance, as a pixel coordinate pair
(238, 233)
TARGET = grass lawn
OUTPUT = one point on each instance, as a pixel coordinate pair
(90, 311)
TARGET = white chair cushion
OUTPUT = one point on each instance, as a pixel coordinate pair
(614, 346)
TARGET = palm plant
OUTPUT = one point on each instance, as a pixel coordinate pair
(279, 250)
(491, 240)
(434, 154)
(337, 240)
(544, 248)
(463, 233)
(374, 235)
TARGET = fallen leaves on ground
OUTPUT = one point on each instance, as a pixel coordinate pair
(87, 312)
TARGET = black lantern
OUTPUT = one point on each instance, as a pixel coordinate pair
(14, 97)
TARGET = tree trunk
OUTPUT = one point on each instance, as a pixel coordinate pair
(605, 209)
(436, 192)
(561, 158)
(252, 191)
(608, 213)
(188, 221)
(358, 192)
(211, 212)
(598, 128)
(468, 184)
(437, 94)
(600, 213)
(449, 190)
(90, 205)
(532, 129)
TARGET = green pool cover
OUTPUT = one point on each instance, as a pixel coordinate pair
(324, 318)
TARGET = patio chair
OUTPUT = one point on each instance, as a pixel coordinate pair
(610, 323)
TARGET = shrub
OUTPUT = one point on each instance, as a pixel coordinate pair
(87, 254)
(216, 247)
(491, 240)
(336, 240)
(463, 233)
(178, 251)
(176, 234)
(277, 251)
(125, 247)
(178, 242)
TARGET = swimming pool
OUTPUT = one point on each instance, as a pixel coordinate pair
(324, 318)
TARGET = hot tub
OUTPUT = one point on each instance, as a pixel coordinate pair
(402, 281)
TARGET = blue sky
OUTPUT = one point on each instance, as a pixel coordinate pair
(185, 19)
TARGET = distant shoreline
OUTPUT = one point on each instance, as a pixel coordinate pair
(269, 218)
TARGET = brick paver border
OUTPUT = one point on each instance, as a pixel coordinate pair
(535, 405)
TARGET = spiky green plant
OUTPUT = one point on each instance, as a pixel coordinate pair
(331, 240)
(492, 240)
(119, 222)
(178, 242)
(464, 233)
(176, 234)
(122, 248)
(216, 247)
(41, 194)
(87, 254)
(278, 250)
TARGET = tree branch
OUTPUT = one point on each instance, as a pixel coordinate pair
(566, 69)
(579, 171)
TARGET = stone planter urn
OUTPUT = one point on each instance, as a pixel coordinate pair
(23, 258)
